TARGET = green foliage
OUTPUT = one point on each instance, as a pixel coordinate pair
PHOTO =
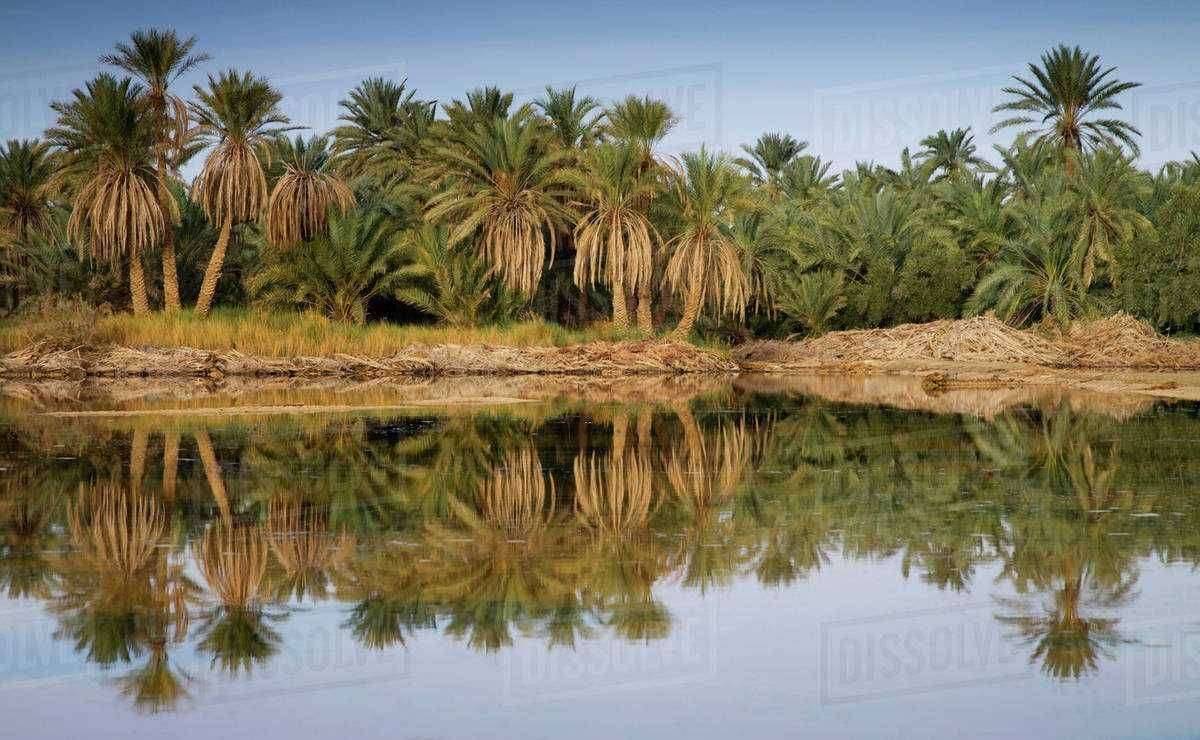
(335, 274)
(451, 284)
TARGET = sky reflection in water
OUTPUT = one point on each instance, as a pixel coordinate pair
(743, 559)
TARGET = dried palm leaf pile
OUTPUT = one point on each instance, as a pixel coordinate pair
(1119, 341)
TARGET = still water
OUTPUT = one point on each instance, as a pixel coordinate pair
(759, 560)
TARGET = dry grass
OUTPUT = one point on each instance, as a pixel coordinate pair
(275, 334)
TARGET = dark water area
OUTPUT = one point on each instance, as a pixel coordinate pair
(752, 562)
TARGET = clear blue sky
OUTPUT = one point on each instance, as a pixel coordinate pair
(858, 81)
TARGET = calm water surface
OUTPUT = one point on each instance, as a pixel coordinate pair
(739, 563)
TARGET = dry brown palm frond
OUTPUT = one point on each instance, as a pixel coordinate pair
(117, 212)
(306, 188)
(710, 263)
(518, 498)
(114, 531)
(231, 186)
(303, 545)
(710, 479)
(233, 560)
(613, 494)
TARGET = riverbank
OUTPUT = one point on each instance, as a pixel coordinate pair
(639, 357)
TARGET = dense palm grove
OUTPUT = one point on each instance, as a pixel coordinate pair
(481, 210)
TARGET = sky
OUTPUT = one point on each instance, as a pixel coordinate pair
(857, 81)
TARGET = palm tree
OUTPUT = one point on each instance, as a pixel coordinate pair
(950, 153)
(108, 149)
(1034, 275)
(26, 169)
(769, 156)
(483, 105)
(807, 179)
(1058, 102)
(305, 190)
(157, 58)
(237, 114)
(337, 273)
(574, 120)
(1106, 194)
(706, 265)
(449, 284)
(384, 122)
(814, 299)
(614, 239)
(642, 123)
(500, 184)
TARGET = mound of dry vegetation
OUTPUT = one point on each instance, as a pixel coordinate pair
(1119, 341)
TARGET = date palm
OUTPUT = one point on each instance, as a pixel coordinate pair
(337, 273)
(157, 58)
(574, 120)
(614, 239)
(108, 149)
(771, 153)
(499, 184)
(306, 189)
(642, 123)
(705, 265)
(1106, 194)
(950, 153)
(26, 169)
(1060, 101)
(384, 124)
(237, 114)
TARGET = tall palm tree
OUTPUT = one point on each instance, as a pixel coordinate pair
(614, 239)
(771, 153)
(1059, 101)
(108, 148)
(643, 123)
(500, 184)
(26, 169)
(306, 188)
(237, 113)
(950, 153)
(706, 265)
(574, 120)
(157, 58)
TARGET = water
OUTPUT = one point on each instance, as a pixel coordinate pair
(761, 559)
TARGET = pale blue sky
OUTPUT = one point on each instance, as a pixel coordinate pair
(858, 81)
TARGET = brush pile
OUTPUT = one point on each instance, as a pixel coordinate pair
(1122, 341)
(982, 340)
(594, 359)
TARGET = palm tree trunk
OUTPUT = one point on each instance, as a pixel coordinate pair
(691, 312)
(138, 446)
(620, 314)
(170, 276)
(212, 472)
(170, 464)
(137, 285)
(645, 318)
(212, 273)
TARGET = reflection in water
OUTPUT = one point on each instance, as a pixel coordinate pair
(500, 525)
